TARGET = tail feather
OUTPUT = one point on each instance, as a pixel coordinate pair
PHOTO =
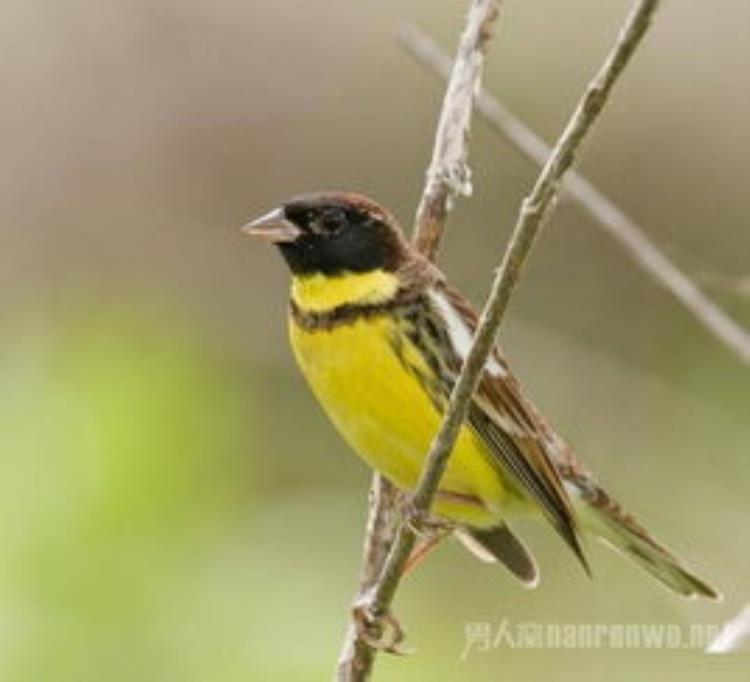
(501, 544)
(604, 517)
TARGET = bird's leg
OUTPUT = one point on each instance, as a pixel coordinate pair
(424, 524)
(429, 530)
(382, 631)
(424, 546)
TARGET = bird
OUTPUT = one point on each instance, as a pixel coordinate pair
(381, 335)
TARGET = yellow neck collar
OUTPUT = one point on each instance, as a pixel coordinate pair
(318, 293)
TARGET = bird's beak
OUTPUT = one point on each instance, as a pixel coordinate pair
(273, 227)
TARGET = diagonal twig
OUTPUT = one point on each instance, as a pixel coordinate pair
(607, 215)
(448, 176)
(534, 210)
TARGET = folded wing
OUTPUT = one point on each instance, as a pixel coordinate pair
(509, 429)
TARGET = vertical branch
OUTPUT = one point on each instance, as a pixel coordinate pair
(356, 657)
(534, 210)
(448, 176)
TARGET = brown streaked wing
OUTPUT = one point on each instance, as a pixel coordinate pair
(500, 416)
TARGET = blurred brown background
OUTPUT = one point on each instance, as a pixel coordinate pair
(173, 505)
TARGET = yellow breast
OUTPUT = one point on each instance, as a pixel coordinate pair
(387, 417)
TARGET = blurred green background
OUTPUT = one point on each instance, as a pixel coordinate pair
(174, 506)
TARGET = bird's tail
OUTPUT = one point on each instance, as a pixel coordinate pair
(603, 517)
(500, 544)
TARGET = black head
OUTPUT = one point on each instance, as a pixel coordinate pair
(332, 233)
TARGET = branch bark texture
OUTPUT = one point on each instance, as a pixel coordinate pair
(357, 656)
(449, 175)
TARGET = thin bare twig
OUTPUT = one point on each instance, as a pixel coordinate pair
(605, 213)
(448, 176)
(534, 210)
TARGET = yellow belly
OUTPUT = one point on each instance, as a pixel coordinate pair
(383, 412)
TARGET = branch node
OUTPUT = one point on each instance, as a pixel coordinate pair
(379, 630)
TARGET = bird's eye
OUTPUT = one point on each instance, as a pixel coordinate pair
(332, 220)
